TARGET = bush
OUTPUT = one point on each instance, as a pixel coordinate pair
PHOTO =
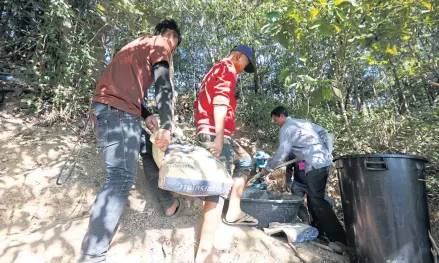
(380, 132)
(254, 112)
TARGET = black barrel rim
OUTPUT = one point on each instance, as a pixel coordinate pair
(402, 156)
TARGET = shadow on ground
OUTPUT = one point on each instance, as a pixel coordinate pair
(41, 221)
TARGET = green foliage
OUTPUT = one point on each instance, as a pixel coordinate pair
(381, 132)
(340, 41)
(358, 68)
(62, 46)
(254, 112)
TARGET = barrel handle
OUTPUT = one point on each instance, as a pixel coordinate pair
(368, 163)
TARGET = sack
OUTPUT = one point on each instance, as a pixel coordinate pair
(191, 170)
(158, 156)
(296, 232)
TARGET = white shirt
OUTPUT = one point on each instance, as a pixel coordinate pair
(304, 139)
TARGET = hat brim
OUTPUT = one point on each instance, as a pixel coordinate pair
(250, 68)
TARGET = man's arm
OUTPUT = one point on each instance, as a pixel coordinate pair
(286, 142)
(221, 101)
(164, 94)
(145, 112)
(151, 121)
(219, 114)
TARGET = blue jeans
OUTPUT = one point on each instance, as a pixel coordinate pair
(118, 134)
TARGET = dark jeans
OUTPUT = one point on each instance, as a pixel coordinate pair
(298, 186)
(299, 189)
(165, 198)
(324, 217)
(118, 134)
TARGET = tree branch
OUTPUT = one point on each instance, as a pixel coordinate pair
(106, 24)
(433, 83)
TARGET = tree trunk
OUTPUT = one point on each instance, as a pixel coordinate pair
(364, 108)
(358, 100)
(99, 54)
(194, 84)
(392, 100)
(327, 106)
(343, 111)
(403, 106)
(347, 98)
(256, 79)
(428, 93)
(434, 48)
(377, 98)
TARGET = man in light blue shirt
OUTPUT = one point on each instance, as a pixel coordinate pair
(307, 141)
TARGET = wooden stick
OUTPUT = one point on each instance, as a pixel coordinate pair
(432, 242)
(258, 175)
(253, 179)
(432, 83)
(297, 253)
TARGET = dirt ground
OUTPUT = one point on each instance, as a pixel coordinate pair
(41, 221)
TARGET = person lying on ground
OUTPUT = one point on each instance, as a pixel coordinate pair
(117, 106)
(214, 116)
(306, 140)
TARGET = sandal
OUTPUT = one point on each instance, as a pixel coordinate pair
(243, 221)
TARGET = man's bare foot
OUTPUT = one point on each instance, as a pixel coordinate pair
(171, 210)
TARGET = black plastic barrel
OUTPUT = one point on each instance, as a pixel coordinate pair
(385, 207)
(268, 206)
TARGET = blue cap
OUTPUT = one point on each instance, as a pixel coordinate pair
(246, 50)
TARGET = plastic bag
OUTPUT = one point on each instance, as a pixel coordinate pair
(261, 159)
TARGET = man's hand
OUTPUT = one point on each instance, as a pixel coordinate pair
(152, 123)
(217, 146)
(264, 172)
(163, 139)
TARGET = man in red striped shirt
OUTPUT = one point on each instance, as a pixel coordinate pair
(214, 116)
